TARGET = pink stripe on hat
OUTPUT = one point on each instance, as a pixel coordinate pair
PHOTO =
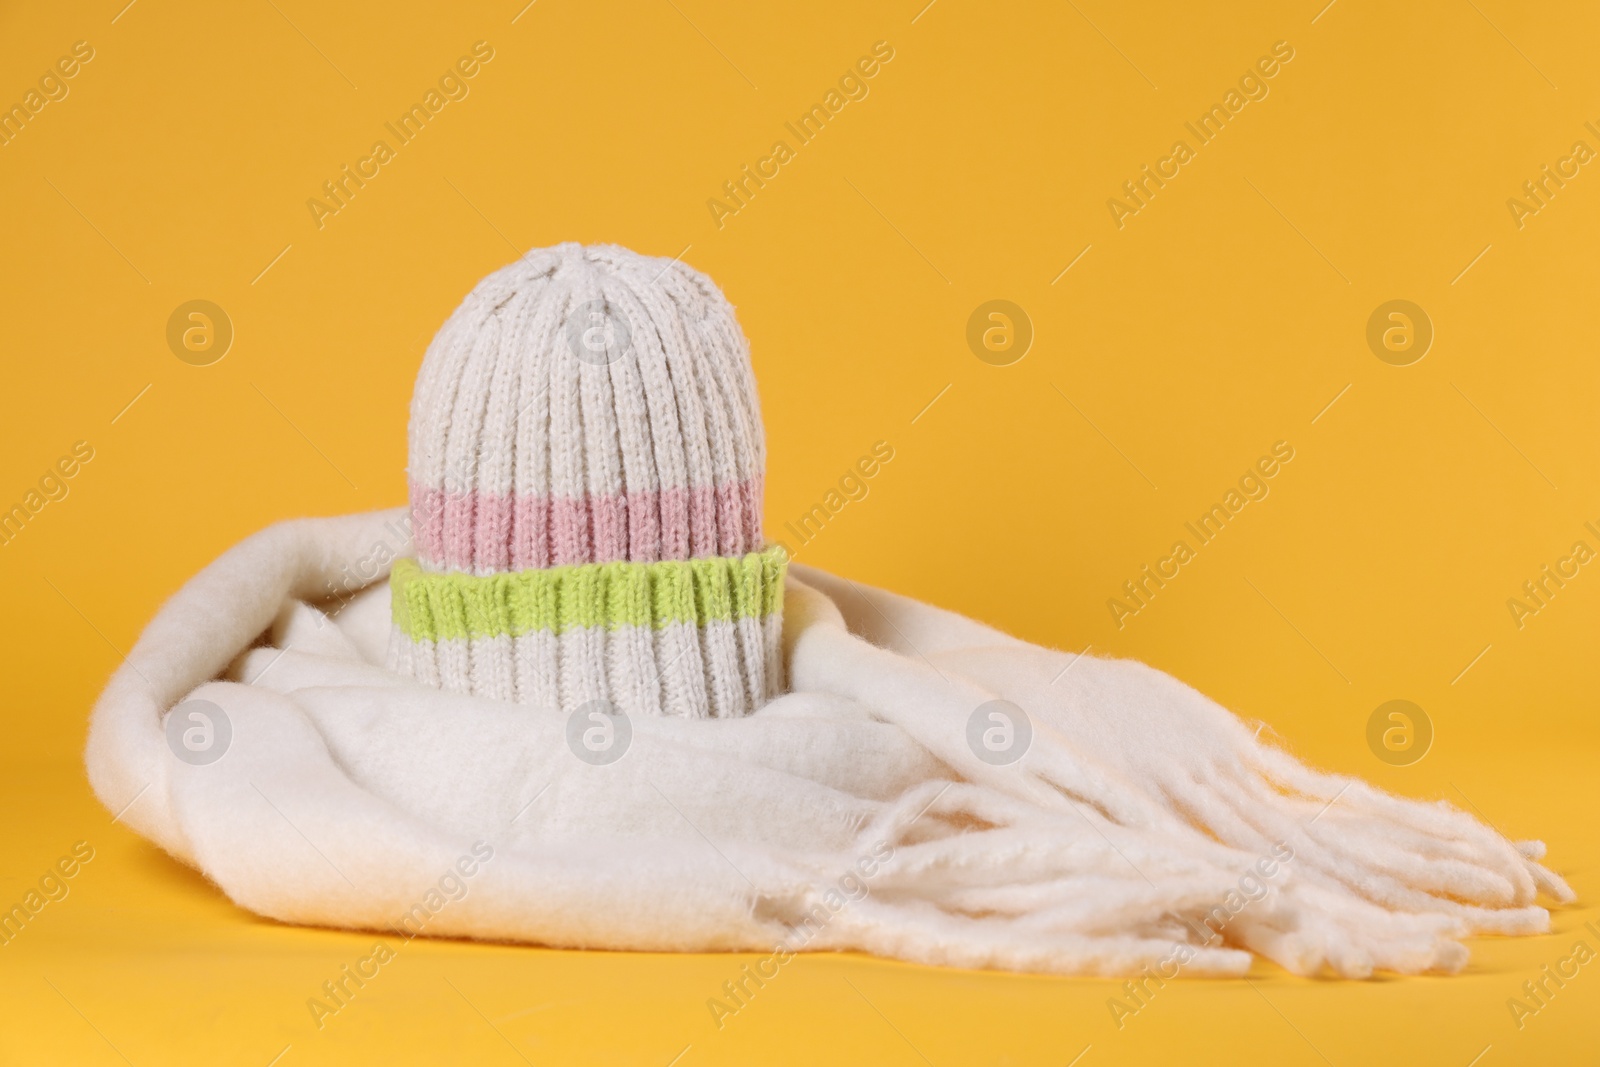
(487, 532)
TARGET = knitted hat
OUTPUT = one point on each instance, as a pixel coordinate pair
(586, 461)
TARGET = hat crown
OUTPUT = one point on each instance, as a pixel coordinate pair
(586, 404)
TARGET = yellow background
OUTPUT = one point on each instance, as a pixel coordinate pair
(1223, 317)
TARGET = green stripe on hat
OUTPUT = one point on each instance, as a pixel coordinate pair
(429, 606)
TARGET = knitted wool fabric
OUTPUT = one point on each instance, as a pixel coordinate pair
(586, 461)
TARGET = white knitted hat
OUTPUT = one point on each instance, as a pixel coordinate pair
(586, 462)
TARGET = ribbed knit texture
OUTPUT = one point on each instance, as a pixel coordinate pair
(590, 407)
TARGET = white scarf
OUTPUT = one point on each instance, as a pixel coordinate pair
(1145, 827)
